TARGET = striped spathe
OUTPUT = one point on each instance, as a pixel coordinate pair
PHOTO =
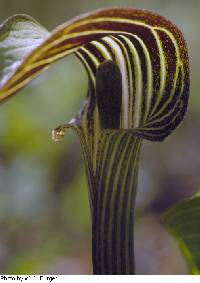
(151, 54)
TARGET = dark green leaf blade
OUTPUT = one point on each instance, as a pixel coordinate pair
(19, 35)
(183, 222)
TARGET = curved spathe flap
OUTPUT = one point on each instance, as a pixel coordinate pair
(149, 50)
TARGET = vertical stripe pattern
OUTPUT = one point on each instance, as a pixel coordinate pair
(116, 181)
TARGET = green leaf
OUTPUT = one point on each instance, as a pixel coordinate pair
(183, 222)
(19, 36)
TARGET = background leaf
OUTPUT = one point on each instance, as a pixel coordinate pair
(183, 222)
(19, 35)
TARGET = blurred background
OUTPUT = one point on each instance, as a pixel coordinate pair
(44, 210)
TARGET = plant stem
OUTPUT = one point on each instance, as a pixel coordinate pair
(113, 208)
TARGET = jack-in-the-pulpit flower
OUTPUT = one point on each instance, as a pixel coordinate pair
(138, 70)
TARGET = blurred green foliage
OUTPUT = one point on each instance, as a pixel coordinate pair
(44, 209)
(182, 221)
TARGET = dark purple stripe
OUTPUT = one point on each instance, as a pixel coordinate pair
(149, 40)
(109, 48)
(172, 103)
(88, 60)
(142, 57)
(95, 51)
(171, 63)
(121, 44)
